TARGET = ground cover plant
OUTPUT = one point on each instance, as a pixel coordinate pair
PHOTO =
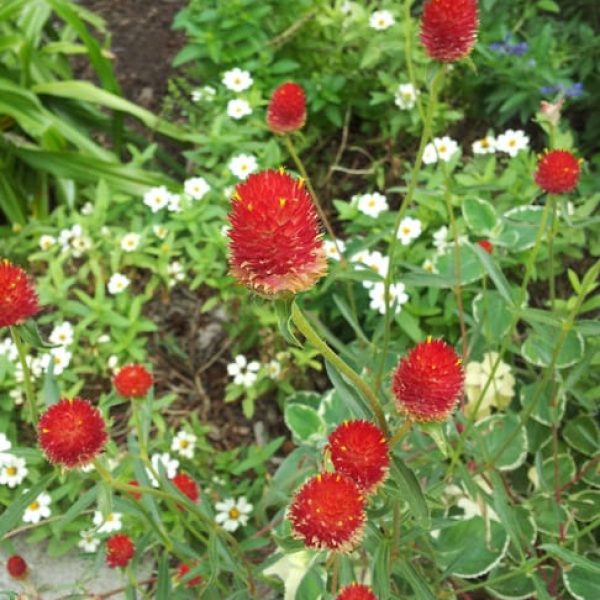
(344, 345)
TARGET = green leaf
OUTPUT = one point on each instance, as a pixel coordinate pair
(283, 308)
(492, 314)
(410, 491)
(30, 334)
(580, 585)
(585, 505)
(540, 346)
(518, 587)
(304, 422)
(572, 558)
(549, 408)
(549, 5)
(521, 226)
(494, 431)
(479, 215)
(565, 467)
(163, 586)
(470, 267)
(416, 581)
(583, 434)
(381, 570)
(348, 393)
(495, 274)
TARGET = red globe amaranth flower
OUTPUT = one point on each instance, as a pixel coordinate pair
(16, 566)
(558, 172)
(287, 108)
(486, 245)
(119, 550)
(18, 298)
(449, 28)
(187, 486)
(276, 247)
(183, 570)
(134, 483)
(356, 591)
(328, 512)
(428, 382)
(360, 451)
(133, 381)
(72, 432)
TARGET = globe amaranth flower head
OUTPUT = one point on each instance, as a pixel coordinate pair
(328, 512)
(359, 450)
(183, 570)
(133, 381)
(16, 566)
(18, 298)
(275, 243)
(287, 108)
(72, 432)
(558, 172)
(449, 28)
(119, 550)
(356, 591)
(428, 382)
(187, 486)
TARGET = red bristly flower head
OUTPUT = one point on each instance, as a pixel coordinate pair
(72, 432)
(449, 28)
(119, 550)
(429, 381)
(183, 570)
(16, 566)
(276, 247)
(557, 172)
(360, 451)
(18, 299)
(328, 512)
(187, 486)
(486, 245)
(287, 109)
(356, 591)
(133, 381)
(134, 483)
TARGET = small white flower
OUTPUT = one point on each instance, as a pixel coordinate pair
(80, 244)
(441, 148)
(237, 80)
(170, 465)
(46, 242)
(233, 513)
(59, 357)
(35, 367)
(176, 271)
(184, 444)
(440, 239)
(88, 543)
(406, 96)
(130, 242)
(17, 396)
(118, 283)
(381, 20)
(238, 109)
(225, 230)
(206, 93)
(196, 187)
(346, 7)
(242, 165)
(4, 444)
(160, 231)
(331, 248)
(8, 349)
(273, 368)
(157, 198)
(111, 523)
(62, 335)
(88, 468)
(372, 204)
(174, 203)
(398, 297)
(87, 209)
(486, 145)
(112, 362)
(104, 339)
(410, 229)
(429, 266)
(376, 262)
(39, 509)
(512, 141)
(243, 372)
(12, 470)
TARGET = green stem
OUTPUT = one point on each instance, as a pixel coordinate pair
(408, 54)
(26, 374)
(400, 433)
(552, 280)
(313, 337)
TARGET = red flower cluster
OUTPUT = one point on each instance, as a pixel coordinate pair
(360, 451)
(557, 172)
(133, 381)
(134, 483)
(287, 108)
(18, 298)
(187, 486)
(119, 550)
(356, 591)
(428, 382)
(276, 247)
(16, 566)
(72, 432)
(183, 570)
(449, 28)
(328, 512)
(486, 245)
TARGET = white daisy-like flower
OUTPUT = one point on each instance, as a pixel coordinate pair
(59, 357)
(108, 524)
(8, 349)
(4, 445)
(381, 20)
(62, 335)
(486, 145)
(331, 248)
(87, 209)
(206, 93)
(103, 339)
(237, 80)
(80, 244)
(398, 297)
(157, 198)
(176, 271)
(17, 397)
(410, 229)
(112, 362)
(12, 470)
(170, 465)
(184, 444)
(118, 283)
(406, 96)
(174, 204)
(243, 372)
(196, 187)
(441, 148)
(130, 242)
(440, 239)
(273, 368)
(35, 368)
(88, 542)
(429, 266)
(512, 141)
(39, 509)
(47, 241)
(243, 165)
(238, 109)
(160, 231)
(376, 262)
(372, 204)
(233, 513)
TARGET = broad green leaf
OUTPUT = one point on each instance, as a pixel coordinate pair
(562, 466)
(419, 585)
(470, 266)
(585, 505)
(549, 402)
(494, 431)
(495, 274)
(492, 314)
(580, 584)
(583, 434)
(305, 423)
(573, 558)
(521, 225)
(547, 514)
(518, 587)
(479, 215)
(540, 345)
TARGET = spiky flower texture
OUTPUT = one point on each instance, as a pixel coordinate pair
(133, 381)
(428, 382)
(449, 28)
(360, 451)
(72, 432)
(276, 247)
(287, 109)
(356, 591)
(18, 298)
(187, 486)
(557, 172)
(328, 512)
(119, 550)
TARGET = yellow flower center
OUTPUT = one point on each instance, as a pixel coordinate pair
(11, 471)
(34, 505)
(234, 513)
(184, 443)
